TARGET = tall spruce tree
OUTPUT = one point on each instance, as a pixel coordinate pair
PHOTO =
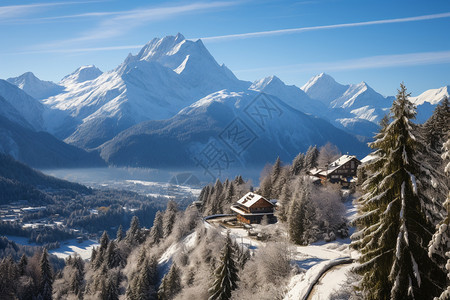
(45, 290)
(134, 234)
(311, 157)
(23, 264)
(439, 248)
(171, 283)
(169, 217)
(98, 256)
(77, 279)
(301, 215)
(298, 164)
(226, 274)
(120, 234)
(436, 127)
(156, 232)
(396, 217)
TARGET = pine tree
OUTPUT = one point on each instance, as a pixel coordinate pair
(437, 126)
(9, 275)
(265, 188)
(120, 234)
(46, 282)
(98, 256)
(311, 157)
(300, 216)
(170, 284)
(439, 247)
(110, 289)
(284, 202)
(238, 180)
(169, 217)
(163, 289)
(134, 235)
(396, 218)
(77, 280)
(226, 275)
(113, 258)
(298, 164)
(142, 287)
(23, 265)
(156, 232)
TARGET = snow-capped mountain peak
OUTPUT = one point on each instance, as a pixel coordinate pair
(82, 74)
(158, 48)
(324, 88)
(33, 86)
(261, 84)
(432, 96)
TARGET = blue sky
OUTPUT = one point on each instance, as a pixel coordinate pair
(380, 42)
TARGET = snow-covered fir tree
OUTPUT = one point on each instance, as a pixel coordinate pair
(301, 215)
(226, 274)
(439, 248)
(298, 164)
(311, 157)
(437, 126)
(156, 232)
(46, 289)
(396, 216)
(120, 234)
(171, 284)
(169, 217)
(134, 234)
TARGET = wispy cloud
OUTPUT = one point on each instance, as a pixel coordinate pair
(15, 11)
(323, 27)
(122, 22)
(372, 62)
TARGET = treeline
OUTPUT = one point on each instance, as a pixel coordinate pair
(217, 198)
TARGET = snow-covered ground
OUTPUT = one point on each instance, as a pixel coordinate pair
(67, 247)
(331, 282)
(332, 259)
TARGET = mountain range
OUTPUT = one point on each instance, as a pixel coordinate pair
(169, 102)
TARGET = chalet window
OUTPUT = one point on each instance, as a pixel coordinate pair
(352, 164)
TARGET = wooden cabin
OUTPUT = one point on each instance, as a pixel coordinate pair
(251, 208)
(343, 170)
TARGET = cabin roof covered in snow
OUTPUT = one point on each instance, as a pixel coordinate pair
(368, 158)
(251, 198)
(340, 162)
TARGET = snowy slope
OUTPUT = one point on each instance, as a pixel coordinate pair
(35, 87)
(165, 76)
(324, 88)
(216, 118)
(433, 96)
(82, 74)
(290, 94)
(357, 101)
(427, 101)
(29, 108)
(9, 112)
